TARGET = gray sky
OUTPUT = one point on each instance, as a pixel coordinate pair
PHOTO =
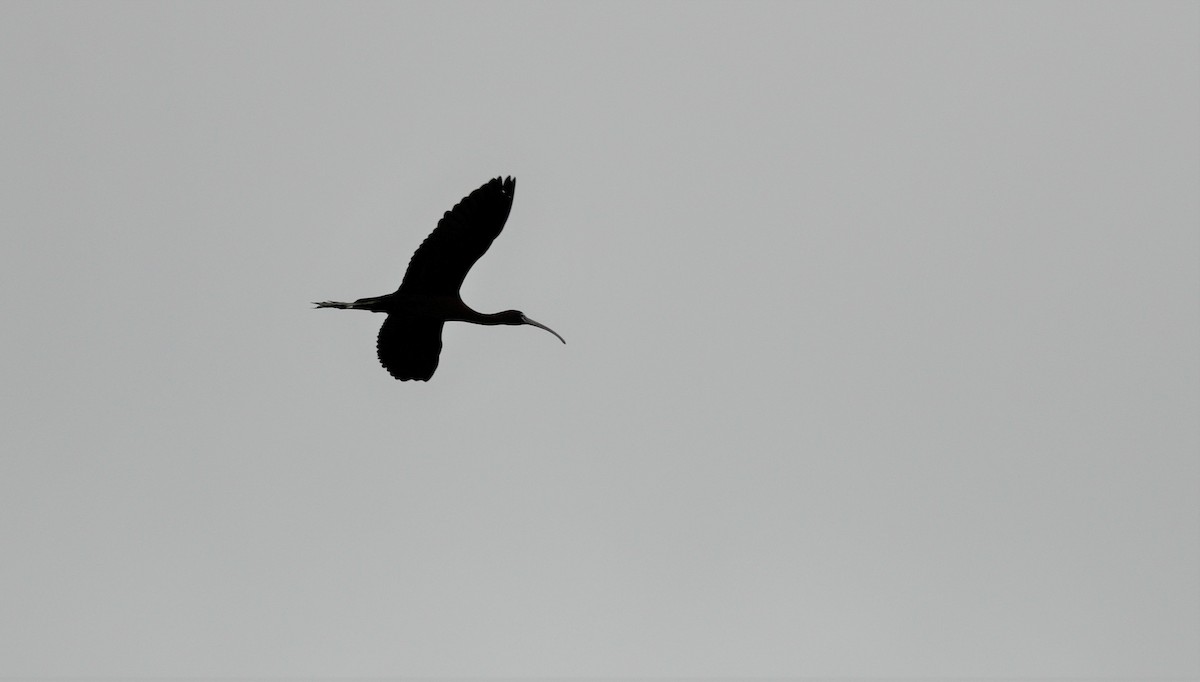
(882, 325)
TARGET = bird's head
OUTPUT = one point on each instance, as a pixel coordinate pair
(515, 317)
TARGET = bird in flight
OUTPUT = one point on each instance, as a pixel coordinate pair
(410, 339)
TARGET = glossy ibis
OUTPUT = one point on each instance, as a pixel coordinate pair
(411, 336)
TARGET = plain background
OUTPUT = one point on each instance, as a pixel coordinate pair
(883, 324)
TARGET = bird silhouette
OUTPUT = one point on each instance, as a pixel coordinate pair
(410, 339)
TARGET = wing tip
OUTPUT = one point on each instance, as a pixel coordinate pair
(507, 183)
(400, 376)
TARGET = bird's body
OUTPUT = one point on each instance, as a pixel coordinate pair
(410, 339)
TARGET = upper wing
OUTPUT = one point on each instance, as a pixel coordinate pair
(409, 346)
(463, 235)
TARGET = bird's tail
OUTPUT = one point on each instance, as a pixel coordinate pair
(333, 304)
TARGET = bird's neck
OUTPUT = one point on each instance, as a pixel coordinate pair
(491, 319)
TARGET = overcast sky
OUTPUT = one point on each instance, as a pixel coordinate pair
(882, 328)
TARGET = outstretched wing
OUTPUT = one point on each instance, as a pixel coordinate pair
(409, 346)
(463, 235)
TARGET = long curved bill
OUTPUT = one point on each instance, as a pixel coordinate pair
(539, 325)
